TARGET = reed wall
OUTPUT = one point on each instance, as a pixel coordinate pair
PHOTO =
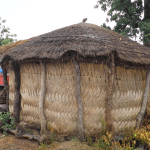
(30, 92)
(129, 86)
(60, 105)
(94, 79)
(60, 101)
(11, 88)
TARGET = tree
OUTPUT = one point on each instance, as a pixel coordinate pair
(4, 32)
(128, 17)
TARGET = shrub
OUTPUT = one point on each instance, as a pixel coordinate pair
(8, 122)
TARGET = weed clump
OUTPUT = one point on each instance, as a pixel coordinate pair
(7, 122)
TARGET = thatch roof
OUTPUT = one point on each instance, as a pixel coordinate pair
(84, 38)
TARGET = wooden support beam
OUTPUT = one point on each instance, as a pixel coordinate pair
(109, 94)
(6, 86)
(78, 98)
(140, 116)
(42, 98)
(16, 104)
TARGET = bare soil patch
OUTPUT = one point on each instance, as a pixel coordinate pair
(10, 142)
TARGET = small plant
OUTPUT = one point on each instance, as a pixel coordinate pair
(104, 125)
(8, 122)
(74, 139)
(29, 131)
(89, 140)
(42, 146)
(105, 141)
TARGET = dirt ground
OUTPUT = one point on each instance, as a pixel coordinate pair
(10, 142)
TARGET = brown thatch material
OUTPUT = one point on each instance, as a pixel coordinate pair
(107, 78)
(84, 38)
(6, 48)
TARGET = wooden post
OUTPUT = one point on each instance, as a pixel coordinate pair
(42, 98)
(6, 86)
(16, 104)
(140, 116)
(78, 98)
(109, 94)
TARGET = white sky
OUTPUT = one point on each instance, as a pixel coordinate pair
(29, 18)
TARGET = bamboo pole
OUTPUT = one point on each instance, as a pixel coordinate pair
(42, 97)
(6, 86)
(109, 93)
(140, 116)
(16, 104)
(78, 98)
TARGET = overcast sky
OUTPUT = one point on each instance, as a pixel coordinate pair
(29, 18)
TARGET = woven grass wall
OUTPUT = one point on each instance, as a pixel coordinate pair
(129, 86)
(30, 92)
(11, 88)
(60, 101)
(60, 105)
(93, 92)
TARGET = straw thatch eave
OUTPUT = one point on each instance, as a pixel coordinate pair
(84, 38)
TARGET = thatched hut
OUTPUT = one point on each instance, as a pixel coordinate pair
(73, 80)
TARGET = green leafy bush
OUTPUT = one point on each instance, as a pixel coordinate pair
(8, 122)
